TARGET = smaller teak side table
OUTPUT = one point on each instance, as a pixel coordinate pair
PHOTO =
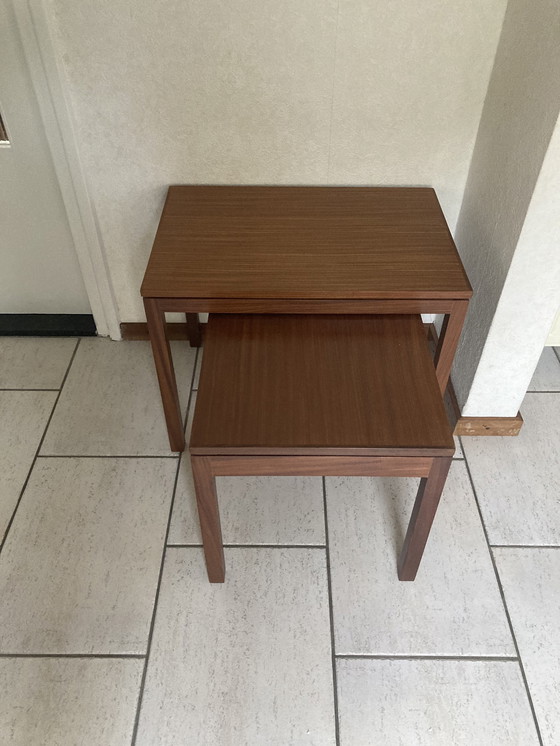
(319, 395)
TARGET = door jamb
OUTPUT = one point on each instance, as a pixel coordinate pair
(48, 80)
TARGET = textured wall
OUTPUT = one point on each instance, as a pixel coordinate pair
(517, 122)
(247, 91)
(554, 334)
(528, 303)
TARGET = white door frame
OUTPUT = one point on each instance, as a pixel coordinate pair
(49, 84)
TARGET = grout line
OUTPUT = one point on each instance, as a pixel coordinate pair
(102, 656)
(331, 616)
(506, 610)
(10, 389)
(251, 546)
(116, 455)
(551, 391)
(482, 658)
(9, 526)
(556, 352)
(524, 546)
(160, 576)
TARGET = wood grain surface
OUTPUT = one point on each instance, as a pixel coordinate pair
(303, 242)
(319, 385)
(321, 466)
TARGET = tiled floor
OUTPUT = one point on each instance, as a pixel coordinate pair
(111, 634)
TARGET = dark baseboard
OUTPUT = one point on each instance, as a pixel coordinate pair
(47, 325)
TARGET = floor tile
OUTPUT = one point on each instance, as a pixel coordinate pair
(547, 375)
(251, 657)
(110, 404)
(253, 510)
(433, 703)
(79, 569)
(34, 362)
(454, 605)
(517, 480)
(68, 701)
(531, 582)
(23, 418)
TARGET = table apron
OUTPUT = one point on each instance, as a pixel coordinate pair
(308, 306)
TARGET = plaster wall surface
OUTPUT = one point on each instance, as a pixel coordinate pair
(321, 92)
(518, 119)
(554, 334)
(528, 303)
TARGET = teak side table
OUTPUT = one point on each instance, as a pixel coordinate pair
(300, 250)
(319, 395)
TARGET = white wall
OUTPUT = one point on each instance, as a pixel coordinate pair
(528, 302)
(247, 91)
(518, 120)
(554, 333)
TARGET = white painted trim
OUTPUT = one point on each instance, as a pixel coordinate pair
(48, 81)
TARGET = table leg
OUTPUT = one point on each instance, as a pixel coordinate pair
(447, 343)
(157, 330)
(423, 515)
(209, 515)
(194, 331)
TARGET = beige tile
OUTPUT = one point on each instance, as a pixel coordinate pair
(531, 582)
(454, 605)
(80, 566)
(253, 510)
(433, 703)
(251, 658)
(517, 480)
(34, 362)
(23, 418)
(68, 701)
(111, 405)
(547, 375)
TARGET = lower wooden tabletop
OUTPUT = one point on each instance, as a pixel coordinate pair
(319, 384)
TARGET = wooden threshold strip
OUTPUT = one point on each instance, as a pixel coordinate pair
(503, 426)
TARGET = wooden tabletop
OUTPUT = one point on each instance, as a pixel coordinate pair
(319, 385)
(303, 243)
